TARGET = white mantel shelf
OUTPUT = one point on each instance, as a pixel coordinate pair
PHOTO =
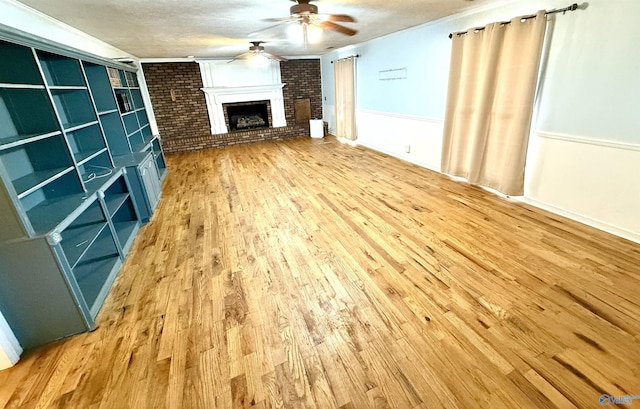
(243, 90)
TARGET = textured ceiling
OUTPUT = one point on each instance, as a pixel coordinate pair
(222, 28)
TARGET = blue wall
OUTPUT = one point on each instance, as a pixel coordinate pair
(590, 85)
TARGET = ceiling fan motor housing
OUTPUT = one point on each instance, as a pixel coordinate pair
(256, 47)
(304, 9)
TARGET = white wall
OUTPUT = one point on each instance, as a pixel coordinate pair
(10, 349)
(585, 145)
(21, 17)
(586, 179)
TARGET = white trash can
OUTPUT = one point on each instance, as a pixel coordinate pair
(316, 128)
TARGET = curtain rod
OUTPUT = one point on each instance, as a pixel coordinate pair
(351, 56)
(563, 10)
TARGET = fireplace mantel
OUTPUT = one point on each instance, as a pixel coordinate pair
(246, 83)
(216, 96)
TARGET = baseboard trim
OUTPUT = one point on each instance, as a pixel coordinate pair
(589, 221)
(404, 158)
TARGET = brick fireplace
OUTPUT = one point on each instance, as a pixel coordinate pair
(183, 116)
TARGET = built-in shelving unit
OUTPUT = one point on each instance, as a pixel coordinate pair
(145, 175)
(131, 108)
(144, 180)
(69, 212)
(158, 154)
(121, 211)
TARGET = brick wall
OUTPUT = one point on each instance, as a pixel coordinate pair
(234, 138)
(184, 123)
(186, 116)
(303, 81)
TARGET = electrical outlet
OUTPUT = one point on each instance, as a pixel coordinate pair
(407, 148)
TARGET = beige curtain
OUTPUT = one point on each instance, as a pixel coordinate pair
(344, 72)
(492, 85)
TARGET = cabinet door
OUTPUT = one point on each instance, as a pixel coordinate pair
(37, 295)
(151, 181)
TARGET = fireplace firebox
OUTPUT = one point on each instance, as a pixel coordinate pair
(247, 115)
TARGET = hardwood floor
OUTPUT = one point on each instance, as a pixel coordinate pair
(311, 274)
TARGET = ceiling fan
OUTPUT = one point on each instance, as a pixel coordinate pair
(257, 50)
(307, 16)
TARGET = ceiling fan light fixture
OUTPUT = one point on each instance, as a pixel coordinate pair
(256, 52)
(314, 33)
(295, 31)
(259, 60)
(305, 23)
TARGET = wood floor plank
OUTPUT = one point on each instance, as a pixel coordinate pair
(310, 273)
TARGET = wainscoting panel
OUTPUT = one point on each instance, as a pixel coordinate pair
(328, 116)
(591, 181)
(394, 134)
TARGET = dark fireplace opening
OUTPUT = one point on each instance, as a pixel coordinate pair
(249, 115)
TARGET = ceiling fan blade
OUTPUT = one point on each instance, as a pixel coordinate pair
(279, 19)
(343, 18)
(328, 25)
(276, 28)
(269, 29)
(274, 57)
(243, 56)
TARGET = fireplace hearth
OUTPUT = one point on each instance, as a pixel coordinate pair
(247, 115)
